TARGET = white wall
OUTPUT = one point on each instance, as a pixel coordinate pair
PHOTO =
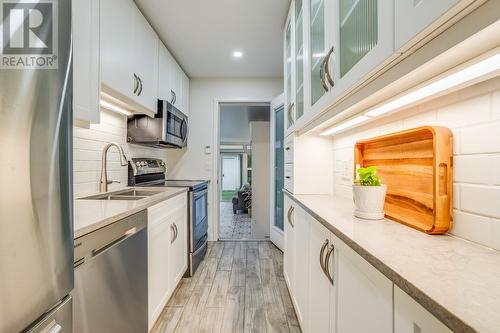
(193, 162)
(87, 150)
(473, 115)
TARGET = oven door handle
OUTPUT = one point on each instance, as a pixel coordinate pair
(184, 130)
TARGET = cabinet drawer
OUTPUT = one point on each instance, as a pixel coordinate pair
(289, 177)
(289, 149)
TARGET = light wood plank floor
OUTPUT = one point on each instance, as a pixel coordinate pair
(239, 287)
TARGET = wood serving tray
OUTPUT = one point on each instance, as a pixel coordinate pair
(417, 167)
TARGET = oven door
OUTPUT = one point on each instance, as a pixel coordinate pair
(176, 126)
(199, 219)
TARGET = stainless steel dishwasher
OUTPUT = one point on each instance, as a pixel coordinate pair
(111, 278)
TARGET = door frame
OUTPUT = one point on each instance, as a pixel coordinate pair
(277, 236)
(213, 233)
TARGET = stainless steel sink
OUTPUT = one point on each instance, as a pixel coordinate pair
(128, 194)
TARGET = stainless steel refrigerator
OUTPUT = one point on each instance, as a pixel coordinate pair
(36, 227)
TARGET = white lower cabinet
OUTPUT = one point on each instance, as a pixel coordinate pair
(289, 251)
(167, 252)
(411, 317)
(364, 295)
(301, 287)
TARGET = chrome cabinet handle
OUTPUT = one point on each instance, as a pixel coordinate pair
(288, 177)
(176, 231)
(175, 97)
(321, 253)
(287, 148)
(136, 83)
(327, 67)
(327, 263)
(173, 233)
(322, 74)
(140, 87)
(290, 212)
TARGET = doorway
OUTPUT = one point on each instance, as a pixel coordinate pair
(243, 171)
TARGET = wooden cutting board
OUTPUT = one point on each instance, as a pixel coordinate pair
(417, 167)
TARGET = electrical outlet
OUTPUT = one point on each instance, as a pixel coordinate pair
(346, 170)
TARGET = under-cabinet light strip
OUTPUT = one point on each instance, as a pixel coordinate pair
(468, 74)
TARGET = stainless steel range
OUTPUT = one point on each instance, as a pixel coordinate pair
(151, 172)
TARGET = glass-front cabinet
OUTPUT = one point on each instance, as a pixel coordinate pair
(347, 40)
(299, 60)
(289, 70)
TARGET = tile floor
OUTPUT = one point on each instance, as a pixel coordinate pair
(239, 287)
(234, 226)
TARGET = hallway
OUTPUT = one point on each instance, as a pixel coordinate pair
(239, 287)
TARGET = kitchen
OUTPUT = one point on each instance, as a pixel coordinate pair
(383, 212)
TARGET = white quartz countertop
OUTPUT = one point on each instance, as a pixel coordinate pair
(90, 215)
(456, 280)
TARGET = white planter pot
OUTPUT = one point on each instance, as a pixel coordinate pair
(369, 201)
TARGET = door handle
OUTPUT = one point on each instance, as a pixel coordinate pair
(327, 263)
(173, 233)
(327, 67)
(136, 83)
(321, 253)
(290, 212)
(140, 87)
(322, 74)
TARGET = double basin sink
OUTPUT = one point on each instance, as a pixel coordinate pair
(127, 194)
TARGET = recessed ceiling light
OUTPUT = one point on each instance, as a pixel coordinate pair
(237, 54)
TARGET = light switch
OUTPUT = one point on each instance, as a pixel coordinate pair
(208, 150)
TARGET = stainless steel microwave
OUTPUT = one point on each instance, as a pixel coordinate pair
(168, 129)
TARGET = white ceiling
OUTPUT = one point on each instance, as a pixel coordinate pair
(202, 35)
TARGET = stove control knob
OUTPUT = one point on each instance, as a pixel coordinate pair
(143, 164)
(162, 163)
(138, 164)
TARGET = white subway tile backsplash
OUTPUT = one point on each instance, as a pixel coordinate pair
(495, 107)
(456, 196)
(473, 111)
(480, 139)
(472, 169)
(472, 227)
(482, 200)
(473, 115)
(87, 151)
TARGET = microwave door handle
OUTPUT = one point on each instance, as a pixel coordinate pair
(184, 130)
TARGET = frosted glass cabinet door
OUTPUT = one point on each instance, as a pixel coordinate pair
(413, 16)
(289, 95)
(365, 37)
(299, 59)
(318, 48)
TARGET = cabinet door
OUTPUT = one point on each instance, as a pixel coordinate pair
(289, 70)
(320, 287)
(411, 317)
(86, 59)
(164, 67)
(411, 17)
(185, 94)
(299, 59)
(146, 62)
(117, 45)
(289, 252)
(159, 236)
(176, 83)
(364, 295)
(178, 242)
(364, 38)
(301, 288)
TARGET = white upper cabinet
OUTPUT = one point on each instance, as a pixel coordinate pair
(412, 16)
(363, 33)
(86, 60)
(185, 94)
(146, 62)
(173, 83)
(411, 317)
(362, 293)
(289, 69)
(129, 55)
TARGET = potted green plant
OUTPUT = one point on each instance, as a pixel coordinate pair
(369, 194)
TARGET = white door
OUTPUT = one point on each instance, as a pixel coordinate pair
(277, 216)
(230, 172)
